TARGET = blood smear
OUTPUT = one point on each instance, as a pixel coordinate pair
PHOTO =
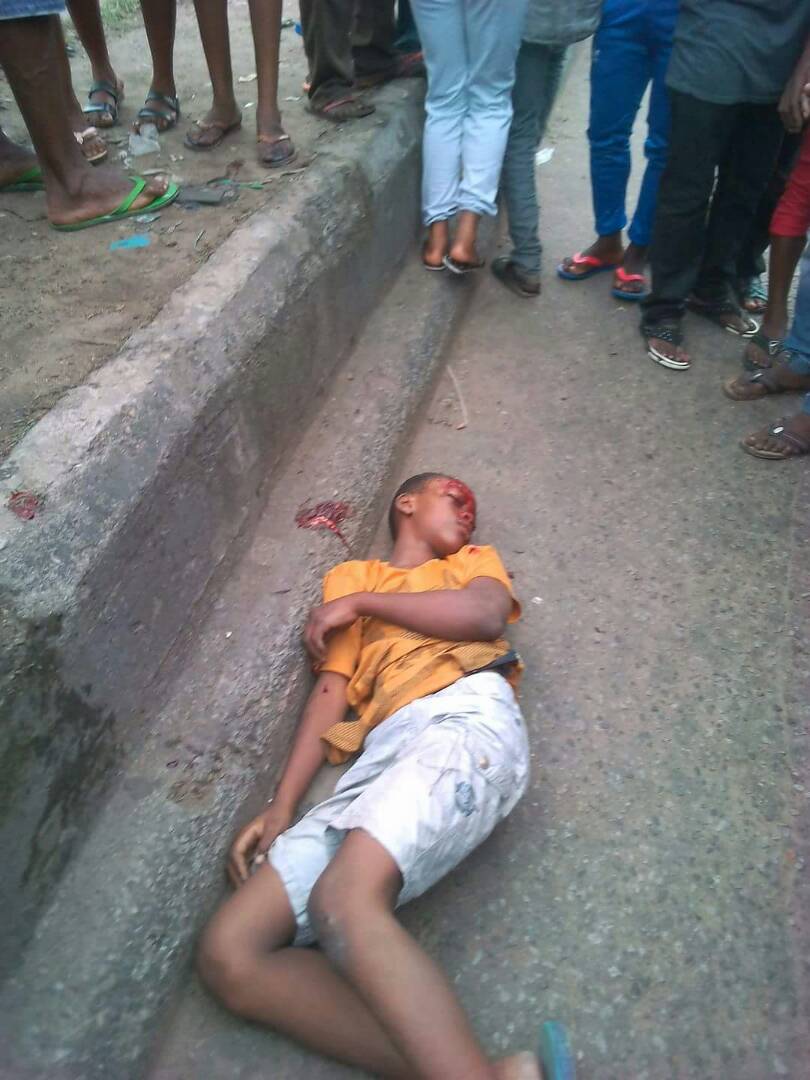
(325, 515)
(24, 504)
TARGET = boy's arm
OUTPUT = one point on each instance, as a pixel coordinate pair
(326, 706)
(478, 612)
(794, 107)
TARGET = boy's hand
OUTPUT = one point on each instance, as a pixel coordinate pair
(325, 620)
(793, 107)
(255, 839)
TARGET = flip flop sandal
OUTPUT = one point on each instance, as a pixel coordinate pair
(434, 269)
(670, 332)
(555, 1055)
(147, 115)
(354, 109)
(771, 346)
(779, 431)
(100, 109)
(628, 279)
(271, 161)
(455, 266)
(596, 266)
(714, 312)
(214, 125)
(31, 180)
(766, 380)
(124, 208)
(90, 133)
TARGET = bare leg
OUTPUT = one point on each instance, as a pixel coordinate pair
(30, 51)
(93, 146)
(224, 114)
(245, 961)
(608, 248)
(86, 16)
(463, 249)
(785, 254)
(265, 19)
(159, 19)
(437, 243)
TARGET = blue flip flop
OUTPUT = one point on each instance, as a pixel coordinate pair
(555, 1055)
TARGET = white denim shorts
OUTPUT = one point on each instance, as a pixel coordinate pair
(432, 783)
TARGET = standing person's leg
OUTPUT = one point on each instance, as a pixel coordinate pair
(751, 291)
(224, 115)
(107, 89)
(790, 438)
(537, 78)
(376, 58)
(74, 191)
(745, 170)
(327, 27)
(275, 145)
(492, 33)
(441, 30)
(161, 106)
(621, 69)
(94, 148)
(698, 140)
(660, 17)
(789, 227)
(16, 162)
(407, 39)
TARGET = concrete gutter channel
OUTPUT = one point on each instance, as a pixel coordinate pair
(130, 738)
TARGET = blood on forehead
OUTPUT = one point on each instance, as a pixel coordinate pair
(462, 493)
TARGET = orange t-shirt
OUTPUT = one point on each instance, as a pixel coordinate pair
(389, 667)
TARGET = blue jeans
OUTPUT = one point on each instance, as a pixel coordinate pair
(537, 80)
(631, 49)
(470, 49)
(798, 340)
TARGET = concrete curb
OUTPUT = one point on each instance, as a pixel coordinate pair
(151, 470)
(149, 503)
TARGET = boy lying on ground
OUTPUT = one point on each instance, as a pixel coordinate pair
(414, 646)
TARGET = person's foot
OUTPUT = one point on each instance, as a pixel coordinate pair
(218, 122)
(783, 439)
(344, 108)
(515, 278)
(92, 193)
(463, 251)
(524, 1066)
(403, 66)
(105, 112)
(93, 146)
(664, 346)
(764, 346)
(436, 245)
(161, 108)
(779, 379)
(753, 294)
(629, 280)
(15, 160)
(275, 147)
(606, 250)
(725, 314)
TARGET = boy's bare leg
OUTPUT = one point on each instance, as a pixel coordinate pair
(74, 190)
(245, 961)
(212, 19)
(265, 20)
(86, 16)
(352, 907)
(159, 20)
(782, 262)
(94, 144)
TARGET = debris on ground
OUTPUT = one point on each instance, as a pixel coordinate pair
(145, 141)
(128, 243)
(24, 504)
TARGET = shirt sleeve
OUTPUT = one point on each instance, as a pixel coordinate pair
(486, 562)
(343, 648)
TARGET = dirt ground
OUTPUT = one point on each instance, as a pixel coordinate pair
(68, 302)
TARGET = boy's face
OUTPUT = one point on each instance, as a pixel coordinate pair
(444, 515)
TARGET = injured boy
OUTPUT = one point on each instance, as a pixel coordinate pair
(414, 647)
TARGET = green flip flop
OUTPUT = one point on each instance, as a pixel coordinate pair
(123, 210)
(555, 1052)
(31, 180)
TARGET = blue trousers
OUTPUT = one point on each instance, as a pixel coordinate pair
(470, 51)
(630, 50)
(537, 80)
(798, 340)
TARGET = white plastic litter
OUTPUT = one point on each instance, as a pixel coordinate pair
(146, 142)
(544, 156)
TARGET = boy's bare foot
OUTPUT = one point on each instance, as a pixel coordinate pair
(105, 94)
(783, 439)
(629, 280)
(463, 252)
(218, 122)
(160, 108)
(523, 1066)
(604, 252)
(761, 349)
(91, 193)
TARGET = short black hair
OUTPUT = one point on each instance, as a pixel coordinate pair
(409, 487)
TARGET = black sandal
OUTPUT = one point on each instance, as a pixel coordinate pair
(152, 116)
(99, 109)
(714, 310)
(772, 347)
(665, 331)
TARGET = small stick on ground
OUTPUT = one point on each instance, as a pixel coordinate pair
(460, 396)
